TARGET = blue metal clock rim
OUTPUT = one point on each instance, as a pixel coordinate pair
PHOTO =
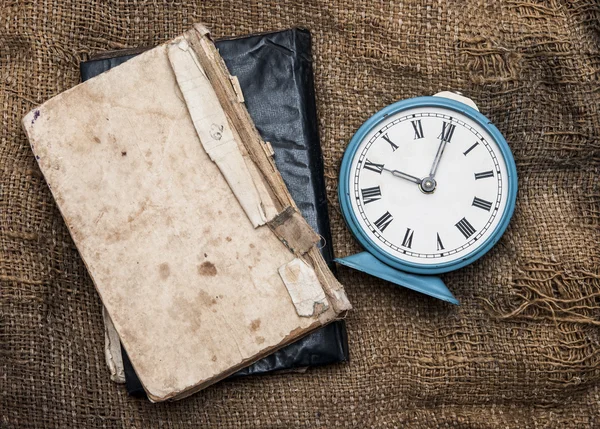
(344, 192)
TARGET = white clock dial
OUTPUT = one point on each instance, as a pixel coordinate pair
(428, 185)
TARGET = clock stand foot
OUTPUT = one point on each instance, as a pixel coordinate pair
(429, 285)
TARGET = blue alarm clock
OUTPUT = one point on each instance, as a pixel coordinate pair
(427, 186)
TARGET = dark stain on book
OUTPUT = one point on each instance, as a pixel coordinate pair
(36, 115)
(207, 269)
(142, 208)
(205, 299)
(164, 271)
(255, 325)
(117, 235)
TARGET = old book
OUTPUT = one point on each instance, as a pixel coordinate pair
(275, 74)
(164, 183)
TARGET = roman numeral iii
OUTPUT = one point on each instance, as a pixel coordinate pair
(465, 227)
(392, 144)
(482, 204)
(371, 194)
(447, 131)
(383, 222)
(377, 168)
(418, 129)
(407, 242)
(484, 175)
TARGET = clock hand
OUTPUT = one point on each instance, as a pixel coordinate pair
(405, 176)
(438, 156)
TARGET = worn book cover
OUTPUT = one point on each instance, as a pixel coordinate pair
(275, 73)
(164, 183)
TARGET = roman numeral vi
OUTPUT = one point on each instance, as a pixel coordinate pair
(407, 242)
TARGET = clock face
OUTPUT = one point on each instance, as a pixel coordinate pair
(428, 186)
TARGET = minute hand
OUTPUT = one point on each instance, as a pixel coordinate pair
(438, 156)
(402, 175)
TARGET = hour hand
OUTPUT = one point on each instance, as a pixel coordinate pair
(405, 176)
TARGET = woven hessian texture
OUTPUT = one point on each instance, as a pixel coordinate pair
(523, 348)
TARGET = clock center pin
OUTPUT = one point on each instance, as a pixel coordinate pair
(428, 185)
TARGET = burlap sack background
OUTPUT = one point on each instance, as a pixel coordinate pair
(522, 350)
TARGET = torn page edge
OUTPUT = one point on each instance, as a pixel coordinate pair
(293, 231)
(288, 225)
(268, 149)
(112, 349)
(267, 201)
(237, 88)
(304, 288)
(214, 131)
(218, 74)
(334, 289)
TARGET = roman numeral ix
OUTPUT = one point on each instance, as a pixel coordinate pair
(383, 222)
(407, 242)
(377, 168)
(371, 194)
(392, 144)
(465, 227)
(418, 129)
(447, 131)
(482, 204)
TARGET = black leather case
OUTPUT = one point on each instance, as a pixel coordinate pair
(276, 77)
